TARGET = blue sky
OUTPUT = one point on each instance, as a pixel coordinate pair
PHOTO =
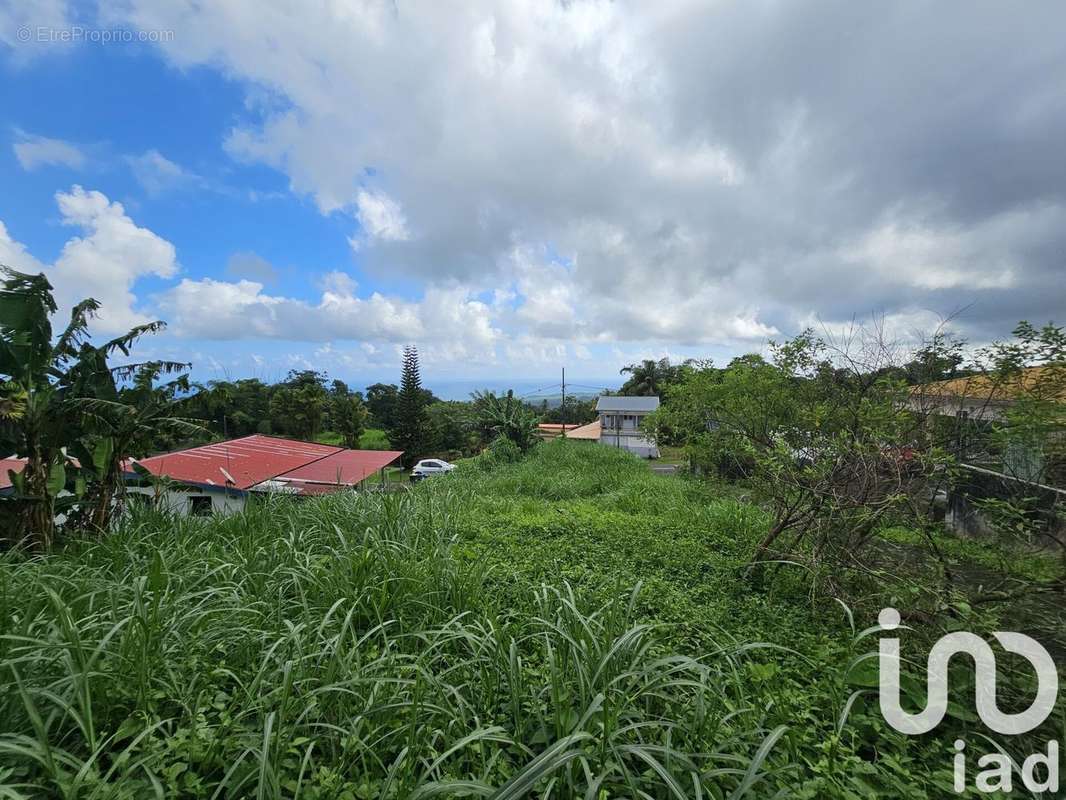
(521, 186)
(117, 104)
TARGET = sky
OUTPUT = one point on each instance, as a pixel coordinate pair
(521, 185)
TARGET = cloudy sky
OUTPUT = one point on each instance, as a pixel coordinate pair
(523, 184)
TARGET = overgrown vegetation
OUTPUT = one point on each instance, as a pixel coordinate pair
(478, 634)
(841, 438)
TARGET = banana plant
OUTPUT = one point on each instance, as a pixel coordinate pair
(128, 422)
(507, 416)
(41, 379)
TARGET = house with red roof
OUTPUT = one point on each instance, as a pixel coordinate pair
(221, 476)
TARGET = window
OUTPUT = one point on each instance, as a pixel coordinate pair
(200, 506)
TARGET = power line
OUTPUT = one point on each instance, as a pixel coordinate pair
(541, 389)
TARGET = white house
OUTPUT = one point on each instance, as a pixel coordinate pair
(620, 419)
(219, 477)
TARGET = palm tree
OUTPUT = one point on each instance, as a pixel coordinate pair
(648, 377)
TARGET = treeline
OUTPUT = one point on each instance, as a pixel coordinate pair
(309, 405)
(940, 359)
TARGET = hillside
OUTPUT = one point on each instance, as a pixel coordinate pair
(570, 622)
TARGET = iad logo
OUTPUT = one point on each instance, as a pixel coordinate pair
(999, 777)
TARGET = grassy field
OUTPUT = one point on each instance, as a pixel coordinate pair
(567, 626)
(372, 439)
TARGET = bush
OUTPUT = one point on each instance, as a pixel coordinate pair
(374, 439)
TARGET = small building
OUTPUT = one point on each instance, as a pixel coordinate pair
(978, 402)
(986, 398)
(221, 476)
(620, 420)
(1017, 465)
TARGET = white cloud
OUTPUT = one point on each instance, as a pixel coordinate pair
(449, 323)
(380, 216)
(989, 255)
(19, 23)
(104, 262)
(927, 259)
(14, 254)
(109, 259)
(698, 194)
(157, 174)
(34, 151)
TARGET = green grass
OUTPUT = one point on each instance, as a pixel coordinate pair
(372, 439)
(571, 625)
(671, 455)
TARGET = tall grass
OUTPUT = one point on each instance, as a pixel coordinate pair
(340, 649)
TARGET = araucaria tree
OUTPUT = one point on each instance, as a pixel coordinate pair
(409, 433)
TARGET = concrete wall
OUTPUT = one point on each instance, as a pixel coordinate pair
(962, 514)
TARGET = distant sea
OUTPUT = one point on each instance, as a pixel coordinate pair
(532, 389)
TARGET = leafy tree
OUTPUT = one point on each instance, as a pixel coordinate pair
(381, 401)
(1022, 381)
(409, 431)
(298, 405)
(347, 414)
(129, 421)
(450, 427)
(575, 411)
(824, 436)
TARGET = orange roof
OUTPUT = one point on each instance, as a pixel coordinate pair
(590, 431)
(551, 430)
(1034, 381)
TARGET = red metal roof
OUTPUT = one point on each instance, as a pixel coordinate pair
(14, 464)
(346, 467)
(238, 463)
(307, 467)
(17, 465)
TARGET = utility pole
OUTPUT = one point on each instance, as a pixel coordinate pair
(562, 408)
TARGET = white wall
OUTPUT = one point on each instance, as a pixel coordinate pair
(637, 445)
(178, 502)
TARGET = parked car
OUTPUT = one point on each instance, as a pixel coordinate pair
(430, 466)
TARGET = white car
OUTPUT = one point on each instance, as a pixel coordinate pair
(430, 466)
